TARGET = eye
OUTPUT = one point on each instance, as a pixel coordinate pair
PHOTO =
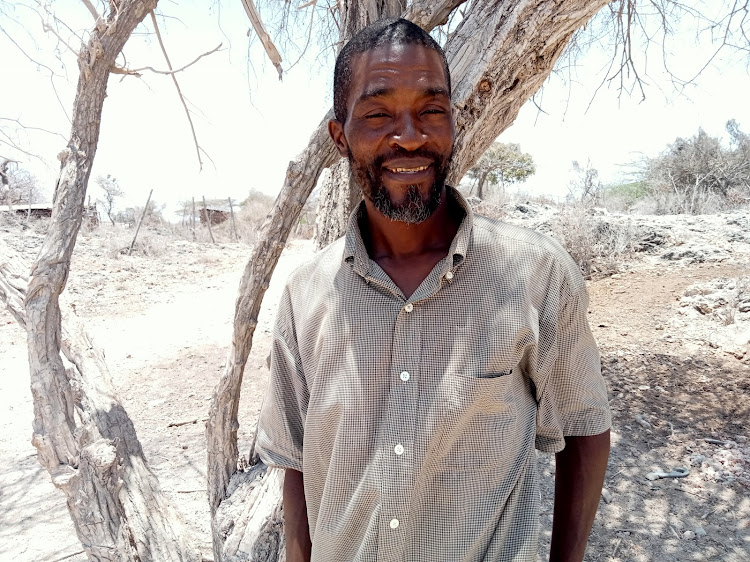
(376, 115)
(434, 111)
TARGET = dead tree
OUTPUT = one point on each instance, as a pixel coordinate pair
(84, 437)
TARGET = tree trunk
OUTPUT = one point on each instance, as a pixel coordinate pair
(499, 56)
(82, 433)
(480, 184)
(339, 195)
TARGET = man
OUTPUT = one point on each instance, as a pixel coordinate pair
(418, 361)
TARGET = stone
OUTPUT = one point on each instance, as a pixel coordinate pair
(688, 535)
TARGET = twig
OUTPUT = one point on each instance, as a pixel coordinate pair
(137, 71)
(617, 545)
(709, 513)
(674, 531)
(69, 555)
(179, 92)
(184, 422)
(189, 491)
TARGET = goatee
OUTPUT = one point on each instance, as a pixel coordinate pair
(414, 208)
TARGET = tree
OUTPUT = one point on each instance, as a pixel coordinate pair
(18, 186)
(500, 53)
(699, 175)
(501, 163)
(112, 191)
(586, 186)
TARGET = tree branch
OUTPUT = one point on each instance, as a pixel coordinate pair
(179, 92)
(263, 35)
(137, 71)
(92, 10)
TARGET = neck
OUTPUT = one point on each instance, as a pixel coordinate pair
(386, 238)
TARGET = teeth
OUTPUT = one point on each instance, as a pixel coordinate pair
(408, 170)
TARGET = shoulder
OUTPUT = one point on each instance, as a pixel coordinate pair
(524, 249)
(320, 269)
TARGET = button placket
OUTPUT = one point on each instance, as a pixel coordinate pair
(398, 471)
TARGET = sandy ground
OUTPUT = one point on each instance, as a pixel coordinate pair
(676, 376)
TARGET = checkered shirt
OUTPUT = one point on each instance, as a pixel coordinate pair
(414, 419)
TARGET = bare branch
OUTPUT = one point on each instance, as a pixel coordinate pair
(263, 35)
(137, 71)
(177, 85)
(49, 29)
(32, 128)
(91, 9)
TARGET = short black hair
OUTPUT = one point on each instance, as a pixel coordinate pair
(389, 31)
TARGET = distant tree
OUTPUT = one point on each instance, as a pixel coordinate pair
(586, 185)
(699, 175)
(18, 186)
(112, 191)
(501, 164)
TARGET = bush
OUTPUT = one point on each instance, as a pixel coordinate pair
(597, 245)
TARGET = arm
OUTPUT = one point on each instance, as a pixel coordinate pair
(579, 477)
(298, 544)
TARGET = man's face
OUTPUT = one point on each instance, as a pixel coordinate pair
(399, 132)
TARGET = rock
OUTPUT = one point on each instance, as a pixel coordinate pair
(699, 531)
(642, 421)
(696, 459)
(606, 495)
(688, 535)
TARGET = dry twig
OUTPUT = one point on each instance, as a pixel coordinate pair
(179, 92)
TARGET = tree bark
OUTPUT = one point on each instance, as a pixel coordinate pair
(82, 433)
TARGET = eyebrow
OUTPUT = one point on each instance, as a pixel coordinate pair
(382, 92)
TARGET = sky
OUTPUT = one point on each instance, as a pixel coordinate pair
(250, 124)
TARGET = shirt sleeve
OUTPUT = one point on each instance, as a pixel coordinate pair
(282, 417)
(571, 393)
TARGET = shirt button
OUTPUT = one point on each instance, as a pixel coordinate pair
(394, 523)
(409, 307)
(405, 376)
(399, 449)
(449, 275)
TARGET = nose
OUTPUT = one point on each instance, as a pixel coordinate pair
(407, 133)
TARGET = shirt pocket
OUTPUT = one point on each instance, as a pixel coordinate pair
(472, 420)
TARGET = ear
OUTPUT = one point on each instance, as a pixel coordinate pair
(336, 130)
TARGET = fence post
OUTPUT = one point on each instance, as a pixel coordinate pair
(138, 227)
(208, 220)
(234, 226)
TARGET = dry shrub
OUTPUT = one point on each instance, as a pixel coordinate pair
(597, 244)
(255, 208)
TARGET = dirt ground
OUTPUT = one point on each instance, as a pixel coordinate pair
(677, 376)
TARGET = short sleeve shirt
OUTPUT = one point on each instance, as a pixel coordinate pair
(414, 419)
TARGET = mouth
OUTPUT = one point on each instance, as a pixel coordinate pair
(400, 170)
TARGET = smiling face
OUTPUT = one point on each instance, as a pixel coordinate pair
(398, 133)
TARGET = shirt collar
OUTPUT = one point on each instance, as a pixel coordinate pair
(356, 253)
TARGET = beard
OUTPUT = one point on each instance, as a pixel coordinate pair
(415, 207)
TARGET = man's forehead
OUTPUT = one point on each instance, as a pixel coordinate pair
(394, 60)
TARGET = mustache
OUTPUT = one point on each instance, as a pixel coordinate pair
(400, 153)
